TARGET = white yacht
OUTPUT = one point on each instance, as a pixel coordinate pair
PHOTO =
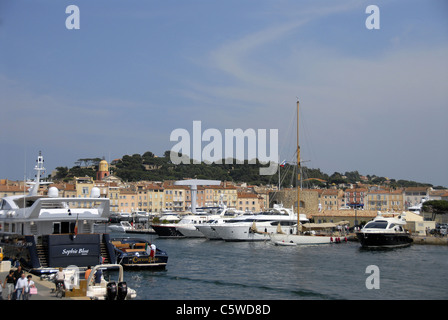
(45, 232)
(207, 228)
(258, 226)
(188, 225)
(185, 224)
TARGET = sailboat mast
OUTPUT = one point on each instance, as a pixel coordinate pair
(298, 169)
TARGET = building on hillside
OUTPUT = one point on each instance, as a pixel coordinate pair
(355, 198)
(414, 195)
(11, 190)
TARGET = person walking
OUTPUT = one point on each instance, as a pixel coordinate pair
(28, 286)
(9, 284)
(60, 278)
(20, 287)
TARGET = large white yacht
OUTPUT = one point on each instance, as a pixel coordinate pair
(187, 227)
(207, 228)
(47, 232)
(257, 226)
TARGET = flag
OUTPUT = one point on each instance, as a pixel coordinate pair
(283, 163)
(76, 226)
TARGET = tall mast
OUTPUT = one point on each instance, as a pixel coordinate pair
(298, 169)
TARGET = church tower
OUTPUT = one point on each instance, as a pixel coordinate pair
(103, 170)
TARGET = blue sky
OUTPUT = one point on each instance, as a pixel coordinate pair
(371, 100)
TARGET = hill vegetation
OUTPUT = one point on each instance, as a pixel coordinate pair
(149, 167)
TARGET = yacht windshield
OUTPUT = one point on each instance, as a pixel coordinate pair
(376, 225)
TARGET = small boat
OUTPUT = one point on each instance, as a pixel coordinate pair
(385, 232)
(108, 290)
(135, 253)
(122, 227)
(284, 243)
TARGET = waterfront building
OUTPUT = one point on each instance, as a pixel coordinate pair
(175, 198)
(330, 199)
(150, 197)
(249, 202)
(128, 200)
(385, 200)
(83, 187)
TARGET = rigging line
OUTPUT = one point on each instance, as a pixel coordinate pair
(307, 139)
(287, 142)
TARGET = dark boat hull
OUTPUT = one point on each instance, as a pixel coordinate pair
(60, 250)
(384, 240)
(143, 262)
(167, 231)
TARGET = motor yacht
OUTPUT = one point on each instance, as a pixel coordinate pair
(385, 232)
(257, 226)
(46, 231)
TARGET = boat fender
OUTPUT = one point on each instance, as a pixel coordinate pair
(345, 239)
(331, 239)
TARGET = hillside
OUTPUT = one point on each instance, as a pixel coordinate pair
(152, 168)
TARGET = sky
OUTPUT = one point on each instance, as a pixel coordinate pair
(371, 100)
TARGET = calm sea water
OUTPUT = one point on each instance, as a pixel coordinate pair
(200, 269)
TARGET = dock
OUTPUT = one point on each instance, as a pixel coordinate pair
(430, 240)
(45, 289)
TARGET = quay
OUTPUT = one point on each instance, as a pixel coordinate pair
(430, 240)
(45, 289)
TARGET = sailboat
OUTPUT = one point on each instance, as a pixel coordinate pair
(298, 237)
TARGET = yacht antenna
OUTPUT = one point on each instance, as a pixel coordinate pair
(39, 168)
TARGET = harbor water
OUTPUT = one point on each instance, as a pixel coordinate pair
(200, 269)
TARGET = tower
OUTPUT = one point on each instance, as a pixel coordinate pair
(103, 170)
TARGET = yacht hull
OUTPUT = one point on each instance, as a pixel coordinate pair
(387, 240)
(189, 231)
(167, 231)
(294, 239)
(243, 232)
(61, 250)
(209, 232)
